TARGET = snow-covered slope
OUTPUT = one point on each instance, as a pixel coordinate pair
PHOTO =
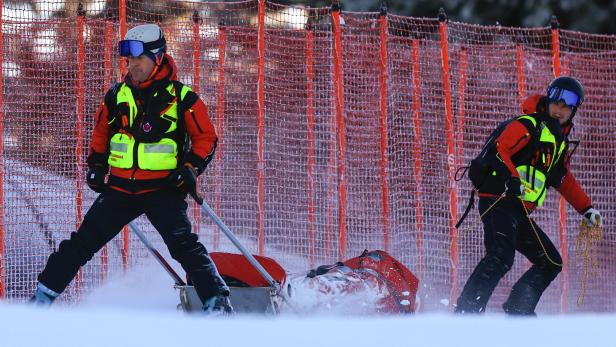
(112, 326)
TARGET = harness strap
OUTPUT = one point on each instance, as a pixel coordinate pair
(137, 185)
(469, 207)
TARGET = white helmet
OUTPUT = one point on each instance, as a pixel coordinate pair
(150, 35)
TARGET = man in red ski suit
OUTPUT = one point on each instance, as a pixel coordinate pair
(154, 137)
(524, 160)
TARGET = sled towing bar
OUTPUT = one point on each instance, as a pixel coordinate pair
(178, 280)
(250, 299)
(225, 229)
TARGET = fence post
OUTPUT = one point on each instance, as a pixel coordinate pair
(2, 270)
(417, 153)
(125, 232)
(459, 131)
(106, 82)
(122, 15)
(80, 108)
(555, 46)
(310, 135)
(519, 55)
(196, 88)
(383, 28)
(562, 205)
(442, 17)
(261, 128)
(339, 106)
(220, 125)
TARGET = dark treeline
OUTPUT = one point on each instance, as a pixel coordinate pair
(592, 16)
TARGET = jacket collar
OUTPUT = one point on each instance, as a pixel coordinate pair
(165, 72)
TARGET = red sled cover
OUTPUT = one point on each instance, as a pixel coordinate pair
(239, 272)
(400, 281)
(373, 272)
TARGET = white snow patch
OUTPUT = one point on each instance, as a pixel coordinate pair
(111, 326)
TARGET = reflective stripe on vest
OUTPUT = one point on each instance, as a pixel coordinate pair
(157, 148)
(533, 179)
(161, 155)
(158, 156)
(534, 184)
(119, 147)
(121, 151)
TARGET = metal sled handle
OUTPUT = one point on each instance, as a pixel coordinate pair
(178, 280)
(207, 209)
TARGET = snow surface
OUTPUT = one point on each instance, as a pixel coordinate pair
(139, 309)
(110, 326)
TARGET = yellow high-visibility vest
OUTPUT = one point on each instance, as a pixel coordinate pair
(533, 179)
(161, 155)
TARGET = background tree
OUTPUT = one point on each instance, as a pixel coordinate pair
(594, 16)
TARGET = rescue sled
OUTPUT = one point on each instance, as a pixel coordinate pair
(388, 283)
(250, 292)
(253, 288)
(259, 284)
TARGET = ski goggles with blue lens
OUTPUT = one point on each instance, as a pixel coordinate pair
(570, 98)
(135, 48)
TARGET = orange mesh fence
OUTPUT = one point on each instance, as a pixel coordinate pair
(338, 132)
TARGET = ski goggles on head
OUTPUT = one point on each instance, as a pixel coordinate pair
(570, 98)
(135, 48)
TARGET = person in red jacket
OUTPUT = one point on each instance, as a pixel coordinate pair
(154, 137)
(524, 160)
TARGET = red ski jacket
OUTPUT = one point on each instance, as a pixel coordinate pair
(196, 124)
(515, 137)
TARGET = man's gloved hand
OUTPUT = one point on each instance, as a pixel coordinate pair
(593, 217)
(184, 178)
(95, 177)
(514, 188)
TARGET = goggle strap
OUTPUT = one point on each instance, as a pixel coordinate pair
(155, 44)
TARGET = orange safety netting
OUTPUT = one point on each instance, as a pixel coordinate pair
(338, 132)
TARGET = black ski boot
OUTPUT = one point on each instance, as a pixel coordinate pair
(480, 285)
(218, 305)
(522, 300)
(526, 293)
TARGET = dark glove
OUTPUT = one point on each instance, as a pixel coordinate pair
(184, 179)
(95, 177)
(514, 188)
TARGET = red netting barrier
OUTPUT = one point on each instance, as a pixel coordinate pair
(338, 132)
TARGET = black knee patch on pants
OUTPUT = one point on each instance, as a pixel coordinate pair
(63, 265)
(527, 291)
(481, 284)
(497, 264)
(193, 257)
(185, 247)
(72, 254)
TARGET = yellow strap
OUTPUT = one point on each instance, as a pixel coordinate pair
(489, 208)
(587, 240)
(537, 235)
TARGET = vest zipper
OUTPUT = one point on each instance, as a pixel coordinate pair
(135, 160)
(192, 113)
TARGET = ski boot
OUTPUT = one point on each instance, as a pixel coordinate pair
(218, 305)
(43, 296)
